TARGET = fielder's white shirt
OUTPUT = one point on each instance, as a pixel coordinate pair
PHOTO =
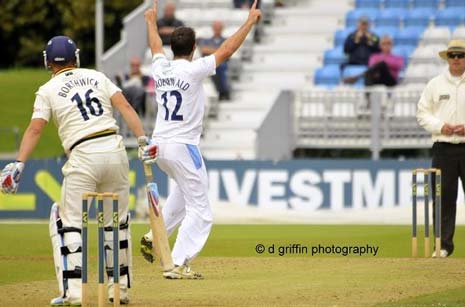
(78, 100)
(180, 98)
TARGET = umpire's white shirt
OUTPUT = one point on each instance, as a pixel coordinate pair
(180, 98)
(78, 100)
(443, 101)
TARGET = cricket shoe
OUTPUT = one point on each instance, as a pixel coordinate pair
(64, 301)
(182, 272)
(442, 254)
(122, 301)
(146, 249)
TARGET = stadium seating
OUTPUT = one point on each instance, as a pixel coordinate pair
(433, 4)
(341, 35)
(328, 75)
(459, 32)
(436, 35)
(404, 4)
(334, 56)
(428, 23)
(455, 3)
(354, 70)
(375, 4)
(450, 17)
(421, 17)
(353, 16)
(428, 54)
(383, 31)
(404, 51)
(390, 17)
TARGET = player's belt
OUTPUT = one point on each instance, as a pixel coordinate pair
(92, 136)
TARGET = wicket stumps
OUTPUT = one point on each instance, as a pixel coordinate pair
(428, 174)
(101, 248)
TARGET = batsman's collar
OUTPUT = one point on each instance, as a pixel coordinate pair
(455, 45)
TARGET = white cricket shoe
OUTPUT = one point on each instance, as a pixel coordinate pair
(442, 254)
(182, 272)
(64, 301)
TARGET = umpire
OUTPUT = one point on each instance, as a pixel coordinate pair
(441, 111)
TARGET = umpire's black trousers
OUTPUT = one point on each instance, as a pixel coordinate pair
(450, 159)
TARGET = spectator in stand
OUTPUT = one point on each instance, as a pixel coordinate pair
(361, 44)
(384, 67)
(135, 85)
(209, 46)
(168, 23)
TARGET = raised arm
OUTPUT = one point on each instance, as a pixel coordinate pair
(155, 43)
(229, 46)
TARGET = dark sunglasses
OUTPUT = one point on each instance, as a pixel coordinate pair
(455, 55)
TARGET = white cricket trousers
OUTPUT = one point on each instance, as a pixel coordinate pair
(99, 165)
(187, 204)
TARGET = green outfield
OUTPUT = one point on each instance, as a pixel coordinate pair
(236, 275)
(17, 94)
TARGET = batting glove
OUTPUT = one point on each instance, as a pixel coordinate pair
(10, 177)
(147, 152)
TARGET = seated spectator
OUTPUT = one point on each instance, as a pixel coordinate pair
(209, 46)
(361, 44)
(168, 23)
(383, 67)
(134, 86)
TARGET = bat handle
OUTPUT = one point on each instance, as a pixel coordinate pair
(148, 172)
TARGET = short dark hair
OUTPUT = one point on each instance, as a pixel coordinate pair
(182, 41)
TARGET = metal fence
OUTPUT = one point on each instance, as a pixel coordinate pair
(371, 119)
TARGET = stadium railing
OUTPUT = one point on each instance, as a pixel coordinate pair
(374, 119)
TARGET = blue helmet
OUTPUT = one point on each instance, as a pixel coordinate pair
(60, 50)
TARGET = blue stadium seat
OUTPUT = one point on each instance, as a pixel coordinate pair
(450, 17)
(404, 51)
(334, 56)
(455, 3)
(354, 70)
(353, 16)
(404, 4)
(328, 75)
(419, 17)
(383, 31)
(374, 4)
(433, 4)
(390, 17)
(341, 35)
(408, 36)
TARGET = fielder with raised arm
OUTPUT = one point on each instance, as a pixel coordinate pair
(181, 104)
(80, 102)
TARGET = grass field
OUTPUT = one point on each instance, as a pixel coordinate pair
(17, 94)
(236, 275)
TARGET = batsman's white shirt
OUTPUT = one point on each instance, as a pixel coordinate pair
(181, 104)
(180, 98)
(78, 100)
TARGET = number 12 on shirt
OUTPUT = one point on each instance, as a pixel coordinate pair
(174, 115)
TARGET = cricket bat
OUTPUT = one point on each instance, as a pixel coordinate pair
(160, 244)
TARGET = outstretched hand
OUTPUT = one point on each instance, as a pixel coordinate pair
(151, 14)
(254, 13)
